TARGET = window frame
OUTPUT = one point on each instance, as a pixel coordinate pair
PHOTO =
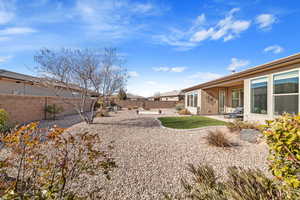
(191, 99)
(285, 94)
(239, 90)
(250, 91)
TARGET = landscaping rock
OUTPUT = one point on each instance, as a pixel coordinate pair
(250, 135)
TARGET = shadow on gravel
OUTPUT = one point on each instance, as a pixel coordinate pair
(143, 122)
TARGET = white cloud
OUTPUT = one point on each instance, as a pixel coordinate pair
(4, 58)
(237, 63)
(133, 74)
(274, 49)
(17, 31)
(115, 19)
(151, 83)
(226, 29)
(169, 69)
(201, 77)
(6, 11)
(177, 69)
(265, 21)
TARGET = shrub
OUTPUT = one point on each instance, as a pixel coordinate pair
(179, 106)
(283, 138)
(238, 125)
(129, 108)
(184, 112)
(4, 121)
(218, 138)
(52, 165)
(135, 107)
(241, 185)
(102, 113)
(54, 110)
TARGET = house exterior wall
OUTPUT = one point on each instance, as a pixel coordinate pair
(15, 88)
(248, 116)
(210, 102)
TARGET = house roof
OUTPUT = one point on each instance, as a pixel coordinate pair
(133, 96)
(171, 93)
(17, 76)
(243, 74)
(26, 78)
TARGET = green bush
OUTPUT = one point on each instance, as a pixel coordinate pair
(179, 106)
(54, 110)
(4, 121)
(3, 117)
(283, 138)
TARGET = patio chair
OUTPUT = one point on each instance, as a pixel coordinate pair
(237, 113)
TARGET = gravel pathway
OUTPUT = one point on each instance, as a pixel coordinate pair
(151, 160)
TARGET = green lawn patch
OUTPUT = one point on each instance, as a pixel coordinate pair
(189, 122)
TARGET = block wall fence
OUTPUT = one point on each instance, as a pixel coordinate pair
(147, 104)
(23, 109)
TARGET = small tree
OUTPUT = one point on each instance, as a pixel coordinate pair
(84, 74)
(54, 110)
(122, 94)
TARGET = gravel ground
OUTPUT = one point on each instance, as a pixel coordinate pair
(151, 160)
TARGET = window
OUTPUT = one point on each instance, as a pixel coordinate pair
(236, 98)
(192, 100)
(286, 93)
(259, 97)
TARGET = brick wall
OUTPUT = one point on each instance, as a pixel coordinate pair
(147, 104)
(32, 108)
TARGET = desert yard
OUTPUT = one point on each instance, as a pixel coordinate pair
(151, 160)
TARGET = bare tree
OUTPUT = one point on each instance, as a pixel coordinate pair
(83, 74)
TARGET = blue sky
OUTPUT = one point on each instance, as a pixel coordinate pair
(168, 44)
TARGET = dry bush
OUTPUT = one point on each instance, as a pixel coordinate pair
(184, 112)
(242, 184)
(52, 165)
(238, 125)
(179, 106)
(219, 139)
(129, 108)
(135, 107)
(102, 113)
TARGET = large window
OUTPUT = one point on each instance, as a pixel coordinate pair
(192, 100)
(286, 93)
(259, 95)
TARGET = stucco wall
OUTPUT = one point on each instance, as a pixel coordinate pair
(32, 108)
(210, 102)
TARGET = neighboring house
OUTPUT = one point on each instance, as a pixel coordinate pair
(265, 91)
(133, 97)
(175, 95)
(21, 84)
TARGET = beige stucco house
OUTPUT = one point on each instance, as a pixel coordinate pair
(175, 95)
(264, 91)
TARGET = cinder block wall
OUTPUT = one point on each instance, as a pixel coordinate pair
(23, 109)
(148, 104)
